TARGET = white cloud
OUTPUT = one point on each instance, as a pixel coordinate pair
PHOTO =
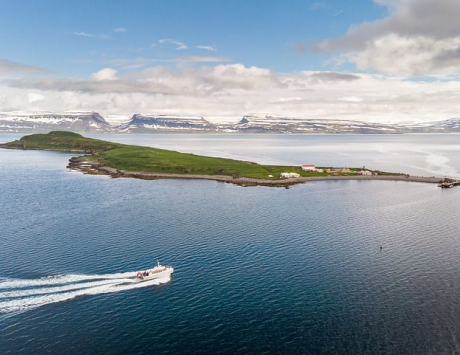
(120, 30)
(393, 54)
(33, 97)
(338, 13)
(207, 48)
(203, 59)
(320, 5)
(105, 74)
(86, 34)
(179, 45)
(287, 99)
(418, 37)
(139, 62)
(350, 99)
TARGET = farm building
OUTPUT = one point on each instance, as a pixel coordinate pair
(289, 175)
(308, 168)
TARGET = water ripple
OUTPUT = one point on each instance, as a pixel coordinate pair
(258, 270)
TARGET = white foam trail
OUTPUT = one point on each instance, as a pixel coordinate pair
(61, 279)
(20, 300)
(55, 289)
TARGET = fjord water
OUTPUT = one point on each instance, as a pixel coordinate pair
(258, 270)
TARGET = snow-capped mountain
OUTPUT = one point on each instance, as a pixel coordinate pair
(49, 121)
(93, 122)
(146, 123)
(447, 126)
(267, 123)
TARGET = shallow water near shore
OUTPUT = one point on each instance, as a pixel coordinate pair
(258, 270)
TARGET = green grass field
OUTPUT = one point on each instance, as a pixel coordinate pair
(146, 159)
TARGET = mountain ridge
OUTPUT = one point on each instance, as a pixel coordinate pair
(80, 121)
(93, 122)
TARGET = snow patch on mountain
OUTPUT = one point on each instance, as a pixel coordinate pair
(93, 122)
(139, 123)
(46, 121)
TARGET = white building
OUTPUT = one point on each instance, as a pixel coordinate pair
(289, 175)
(365, 172)
(308, 168)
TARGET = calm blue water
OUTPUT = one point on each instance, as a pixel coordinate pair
(258, 270)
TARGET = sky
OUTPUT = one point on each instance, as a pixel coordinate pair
(370, 60)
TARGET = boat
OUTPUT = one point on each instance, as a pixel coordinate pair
(446, 185)
(155, 273)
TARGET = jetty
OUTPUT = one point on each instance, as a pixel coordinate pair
(447, 183)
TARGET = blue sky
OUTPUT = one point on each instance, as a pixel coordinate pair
(372, 60)
(254, 33)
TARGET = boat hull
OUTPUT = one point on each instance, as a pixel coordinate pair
(156, 275)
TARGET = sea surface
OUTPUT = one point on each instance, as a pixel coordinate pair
(332, 267)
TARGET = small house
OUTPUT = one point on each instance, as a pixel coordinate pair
(365, 173)
(289, 175)
(308, 168)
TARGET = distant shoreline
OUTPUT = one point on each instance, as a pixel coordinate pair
(275, 133)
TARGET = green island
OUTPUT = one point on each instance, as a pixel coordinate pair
(122, 160)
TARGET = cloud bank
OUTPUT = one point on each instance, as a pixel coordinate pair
(232, 90)
(417, 38)
(8, 67)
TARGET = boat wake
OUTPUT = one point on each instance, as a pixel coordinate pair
(24, 294)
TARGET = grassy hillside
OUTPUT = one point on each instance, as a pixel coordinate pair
(61, 141)
(146, 159)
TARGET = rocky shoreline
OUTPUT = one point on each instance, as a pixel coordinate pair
(96, 169)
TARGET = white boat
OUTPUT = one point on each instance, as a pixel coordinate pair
(155, 273)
